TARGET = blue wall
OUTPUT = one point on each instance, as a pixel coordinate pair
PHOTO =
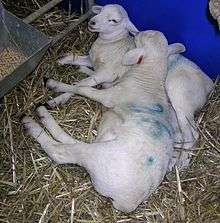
(185, 21)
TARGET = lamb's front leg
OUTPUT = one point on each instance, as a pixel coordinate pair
(87, 70)
(76, 60)
(60, 100)
(97, 78)
(105, 96)
(63, 98)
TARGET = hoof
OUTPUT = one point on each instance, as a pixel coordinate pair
(43, 105)
(22, 117)
(26, 119)
(45, 79)
(52, 104)
(66, 59)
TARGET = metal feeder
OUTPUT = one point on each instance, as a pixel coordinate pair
(22, 46)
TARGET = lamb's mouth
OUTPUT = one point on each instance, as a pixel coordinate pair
(92, 29)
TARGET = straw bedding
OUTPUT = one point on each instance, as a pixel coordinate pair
(34, 189)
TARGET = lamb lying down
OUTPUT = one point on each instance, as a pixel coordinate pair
(134, 146)
(113, 25)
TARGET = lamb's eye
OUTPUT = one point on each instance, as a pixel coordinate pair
(113, 20)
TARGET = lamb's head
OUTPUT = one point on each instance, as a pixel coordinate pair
(151, 45)
(111, 20)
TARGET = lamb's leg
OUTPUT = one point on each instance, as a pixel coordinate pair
(187, 94)
(50, 146)
(83, 62)
(176, 126)
(57, 132)
(79, 153)
(185, 136)
(97, 78)
(187, 130)
(104, 96)
(76, 60)
(93, 80)
(63, 98)
(37, 132)
(59, 100)
(189, 137)
(59, 152)
(90, 72)
(87, 70)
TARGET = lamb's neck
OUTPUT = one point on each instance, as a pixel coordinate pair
(150, 78)
(113, 37)
(150, 71)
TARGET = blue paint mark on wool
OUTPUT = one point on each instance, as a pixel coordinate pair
(158, 108)
(149, 161)
(154, 109)
(157, 129)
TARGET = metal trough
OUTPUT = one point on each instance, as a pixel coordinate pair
(21, 49)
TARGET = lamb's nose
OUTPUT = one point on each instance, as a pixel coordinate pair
(92, 23)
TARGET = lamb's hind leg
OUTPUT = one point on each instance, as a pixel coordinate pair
(61, 153)
(185, 129)
(34, 129)
(51, 147)
(186, 97)
(57, 132)
(187, 138)
(80, 153)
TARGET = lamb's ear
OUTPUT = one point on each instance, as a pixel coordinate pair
(135, 56)
(97, 9)
(131, 28)
(176, 48)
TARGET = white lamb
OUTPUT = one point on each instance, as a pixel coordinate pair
(113, 25)
(134, 145)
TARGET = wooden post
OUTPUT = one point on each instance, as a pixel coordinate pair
(41, 11)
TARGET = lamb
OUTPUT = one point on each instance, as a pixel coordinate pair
(134, 146)
(214, 7)
(113, 25)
